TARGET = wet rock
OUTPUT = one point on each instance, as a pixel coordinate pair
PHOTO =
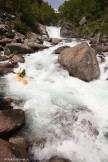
(36, 46)
(4, 104)
(55, 41)
(20, 141)
(17, 58)
(19, 48)
(18, 101)
(102, 59)
(80, 61)
(84, 123)
(11, 152)
(58, 159)
(10, 121)
(58, 50)
(6, 68)
(4, 71)
(38, 142)
(6, 65)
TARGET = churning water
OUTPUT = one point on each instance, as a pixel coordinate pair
(70, 114)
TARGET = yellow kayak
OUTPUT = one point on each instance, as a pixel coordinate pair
(20, 79)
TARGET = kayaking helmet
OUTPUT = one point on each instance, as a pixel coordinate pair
(23, 70)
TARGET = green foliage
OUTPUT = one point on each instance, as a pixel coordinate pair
(28, 12)
(19, 25)
(47, 14)
(73, 10)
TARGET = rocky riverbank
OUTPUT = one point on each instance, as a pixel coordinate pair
(13, 47)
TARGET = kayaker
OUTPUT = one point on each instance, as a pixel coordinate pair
(22, 73)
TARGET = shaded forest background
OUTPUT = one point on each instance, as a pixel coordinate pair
(96, 12)
(29, 12)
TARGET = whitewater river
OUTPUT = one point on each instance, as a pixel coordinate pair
(70, 114)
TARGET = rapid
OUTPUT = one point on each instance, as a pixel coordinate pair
(72, 115)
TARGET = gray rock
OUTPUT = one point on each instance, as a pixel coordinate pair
(83, 21)
(68, 30)
(4, 41)
(19, 48)
(55, 41)
(36, 46)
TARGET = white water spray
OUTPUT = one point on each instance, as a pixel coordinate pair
(54, 32)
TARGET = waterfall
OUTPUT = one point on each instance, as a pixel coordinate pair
(53, 32)
(70, 114)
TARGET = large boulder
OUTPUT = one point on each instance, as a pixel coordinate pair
(19, 48)
(80, 61)
(10, 121)
(11, 152)
(68, 30)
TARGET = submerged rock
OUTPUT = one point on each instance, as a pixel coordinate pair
(80, 61)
